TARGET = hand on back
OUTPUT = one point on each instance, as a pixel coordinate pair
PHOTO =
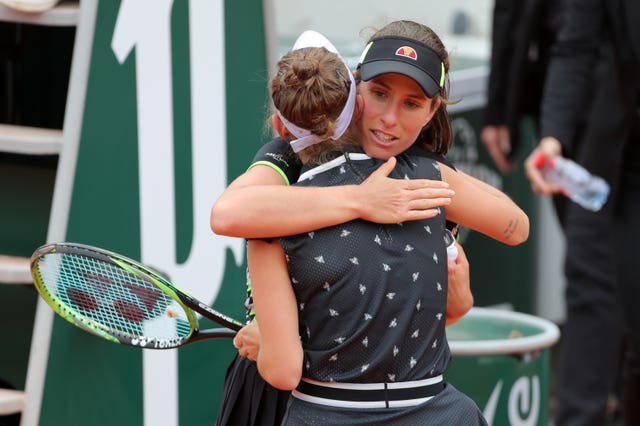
(388, 200)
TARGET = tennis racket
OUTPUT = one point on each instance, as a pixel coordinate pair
(121, 300)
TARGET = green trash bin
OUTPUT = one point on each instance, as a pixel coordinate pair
(501, 361)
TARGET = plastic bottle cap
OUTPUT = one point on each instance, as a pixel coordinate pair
(452, 252)
(539, 161)
(450, 241)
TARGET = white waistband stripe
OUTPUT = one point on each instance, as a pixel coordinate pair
(377, 386)
(359, 404)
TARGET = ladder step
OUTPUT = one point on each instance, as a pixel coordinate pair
(15, 270)
(30, 140)
(64, 14)
(11, 401)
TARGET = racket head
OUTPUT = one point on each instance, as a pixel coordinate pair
(112, 296)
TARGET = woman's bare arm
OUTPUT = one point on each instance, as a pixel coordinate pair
(485, 209)
(258, 203)
(280, 356)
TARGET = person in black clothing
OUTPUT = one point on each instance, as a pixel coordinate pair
(570, 85)
(522, 35)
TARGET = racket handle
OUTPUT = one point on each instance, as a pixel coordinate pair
(215, 333)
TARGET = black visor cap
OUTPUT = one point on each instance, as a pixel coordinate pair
(399, 55)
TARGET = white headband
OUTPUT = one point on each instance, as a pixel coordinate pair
(305, 137)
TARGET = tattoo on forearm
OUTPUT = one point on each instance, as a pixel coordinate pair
(511, 228)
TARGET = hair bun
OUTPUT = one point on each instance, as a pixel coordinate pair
(306, 69)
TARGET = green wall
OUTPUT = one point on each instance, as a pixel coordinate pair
(92, 382)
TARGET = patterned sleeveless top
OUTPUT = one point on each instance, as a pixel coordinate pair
(371, 298)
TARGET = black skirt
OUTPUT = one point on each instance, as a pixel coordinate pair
(248, 400)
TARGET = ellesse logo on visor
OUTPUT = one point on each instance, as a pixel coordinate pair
(407, 52)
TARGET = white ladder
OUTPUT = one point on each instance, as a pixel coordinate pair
(26, 140)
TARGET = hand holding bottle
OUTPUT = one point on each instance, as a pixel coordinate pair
(549, 147)
(550, 173)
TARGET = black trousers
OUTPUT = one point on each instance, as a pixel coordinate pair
(592, 334)
(601, 259)
(626, 238)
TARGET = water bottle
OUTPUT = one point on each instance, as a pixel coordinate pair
(576, 182)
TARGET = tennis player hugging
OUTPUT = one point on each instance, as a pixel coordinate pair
(352, 316)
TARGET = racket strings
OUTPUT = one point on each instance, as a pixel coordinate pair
(118, 301)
